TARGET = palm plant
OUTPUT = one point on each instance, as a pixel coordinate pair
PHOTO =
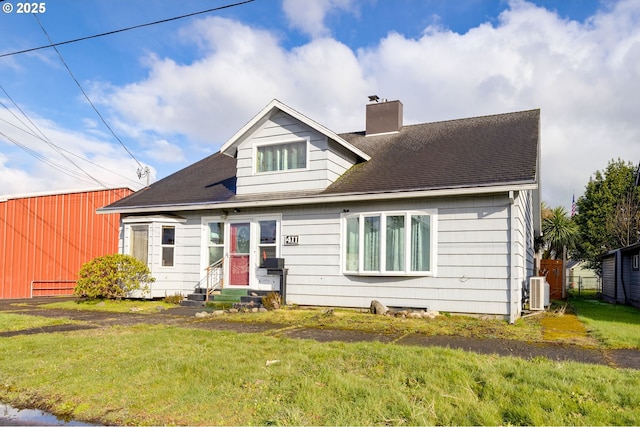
(559, 233)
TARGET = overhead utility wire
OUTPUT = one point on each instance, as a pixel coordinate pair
(85, 93)
(35, 127)
(31, 133)
(162, 21)
(45, 139)
(36, 132)
(44, 159)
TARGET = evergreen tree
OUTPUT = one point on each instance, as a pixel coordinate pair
(610, 198)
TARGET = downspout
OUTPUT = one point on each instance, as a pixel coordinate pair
(624, 291)
(513, 300)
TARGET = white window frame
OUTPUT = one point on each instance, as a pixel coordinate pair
(155, 223)
(164, 246)
(281, 141)
(254, 255)
(433, 238)
(205, 238)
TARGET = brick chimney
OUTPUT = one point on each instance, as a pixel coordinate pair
(383, 116)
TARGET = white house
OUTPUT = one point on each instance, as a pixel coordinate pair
(437, 215)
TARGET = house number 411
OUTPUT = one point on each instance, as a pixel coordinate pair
(290, 240)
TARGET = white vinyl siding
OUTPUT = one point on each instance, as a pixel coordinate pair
(472, 258)
(472, 263)
(170, 280)
(325, 160)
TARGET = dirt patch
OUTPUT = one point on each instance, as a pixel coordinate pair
(567, 329)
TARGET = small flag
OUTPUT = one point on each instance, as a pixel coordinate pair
(573, 206)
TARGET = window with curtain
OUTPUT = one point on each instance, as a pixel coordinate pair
(352, 244)
(393, 243)
(139, 246)
(371, 243)
(281, 157)
(420, 242)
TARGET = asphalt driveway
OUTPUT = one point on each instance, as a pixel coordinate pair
(185, 317)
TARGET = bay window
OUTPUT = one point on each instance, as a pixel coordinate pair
(393, 243)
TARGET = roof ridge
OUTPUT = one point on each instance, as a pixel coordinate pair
(452, 120)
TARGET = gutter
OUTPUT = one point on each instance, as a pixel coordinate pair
(322, 198)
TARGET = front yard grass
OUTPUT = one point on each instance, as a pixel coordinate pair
(167, 375)
(114, 306)
(362, 320)
(16, 322)
(615, 326)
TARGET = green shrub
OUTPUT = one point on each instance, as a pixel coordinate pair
(113, 276)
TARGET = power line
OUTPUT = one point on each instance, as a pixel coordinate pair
(85, 93)
(108, 33)
(44, 138)
(50, 162)
(36, 132)
(34, 135)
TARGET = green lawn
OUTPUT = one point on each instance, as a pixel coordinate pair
(18, 322)
(153, 375)
(616, 326)
(115, 306)
(349, 319)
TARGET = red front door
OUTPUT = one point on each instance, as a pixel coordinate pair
(239, 254)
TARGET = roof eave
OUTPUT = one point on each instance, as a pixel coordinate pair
(227, 147)
(328, 198)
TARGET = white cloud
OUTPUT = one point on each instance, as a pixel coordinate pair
(244, 68)
(308, 16)
(163, 151)
(584, 77)
(58, 158)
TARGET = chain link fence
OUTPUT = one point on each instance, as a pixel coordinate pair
(579, 284)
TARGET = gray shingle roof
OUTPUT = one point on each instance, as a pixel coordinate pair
(212, 179)
(474, 152)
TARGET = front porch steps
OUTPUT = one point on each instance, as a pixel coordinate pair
(226, 298)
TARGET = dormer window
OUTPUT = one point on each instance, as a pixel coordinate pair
(281, 157)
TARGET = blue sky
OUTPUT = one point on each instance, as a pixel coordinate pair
(175, 92)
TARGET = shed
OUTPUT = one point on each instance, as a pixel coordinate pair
(621, 275)
(45, 239)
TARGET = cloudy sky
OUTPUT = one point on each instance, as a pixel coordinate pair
(169, 94)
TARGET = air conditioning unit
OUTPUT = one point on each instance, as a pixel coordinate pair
(538, 293)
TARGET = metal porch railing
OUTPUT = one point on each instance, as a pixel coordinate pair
(213, 279)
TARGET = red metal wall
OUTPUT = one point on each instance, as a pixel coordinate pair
(44, 240)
